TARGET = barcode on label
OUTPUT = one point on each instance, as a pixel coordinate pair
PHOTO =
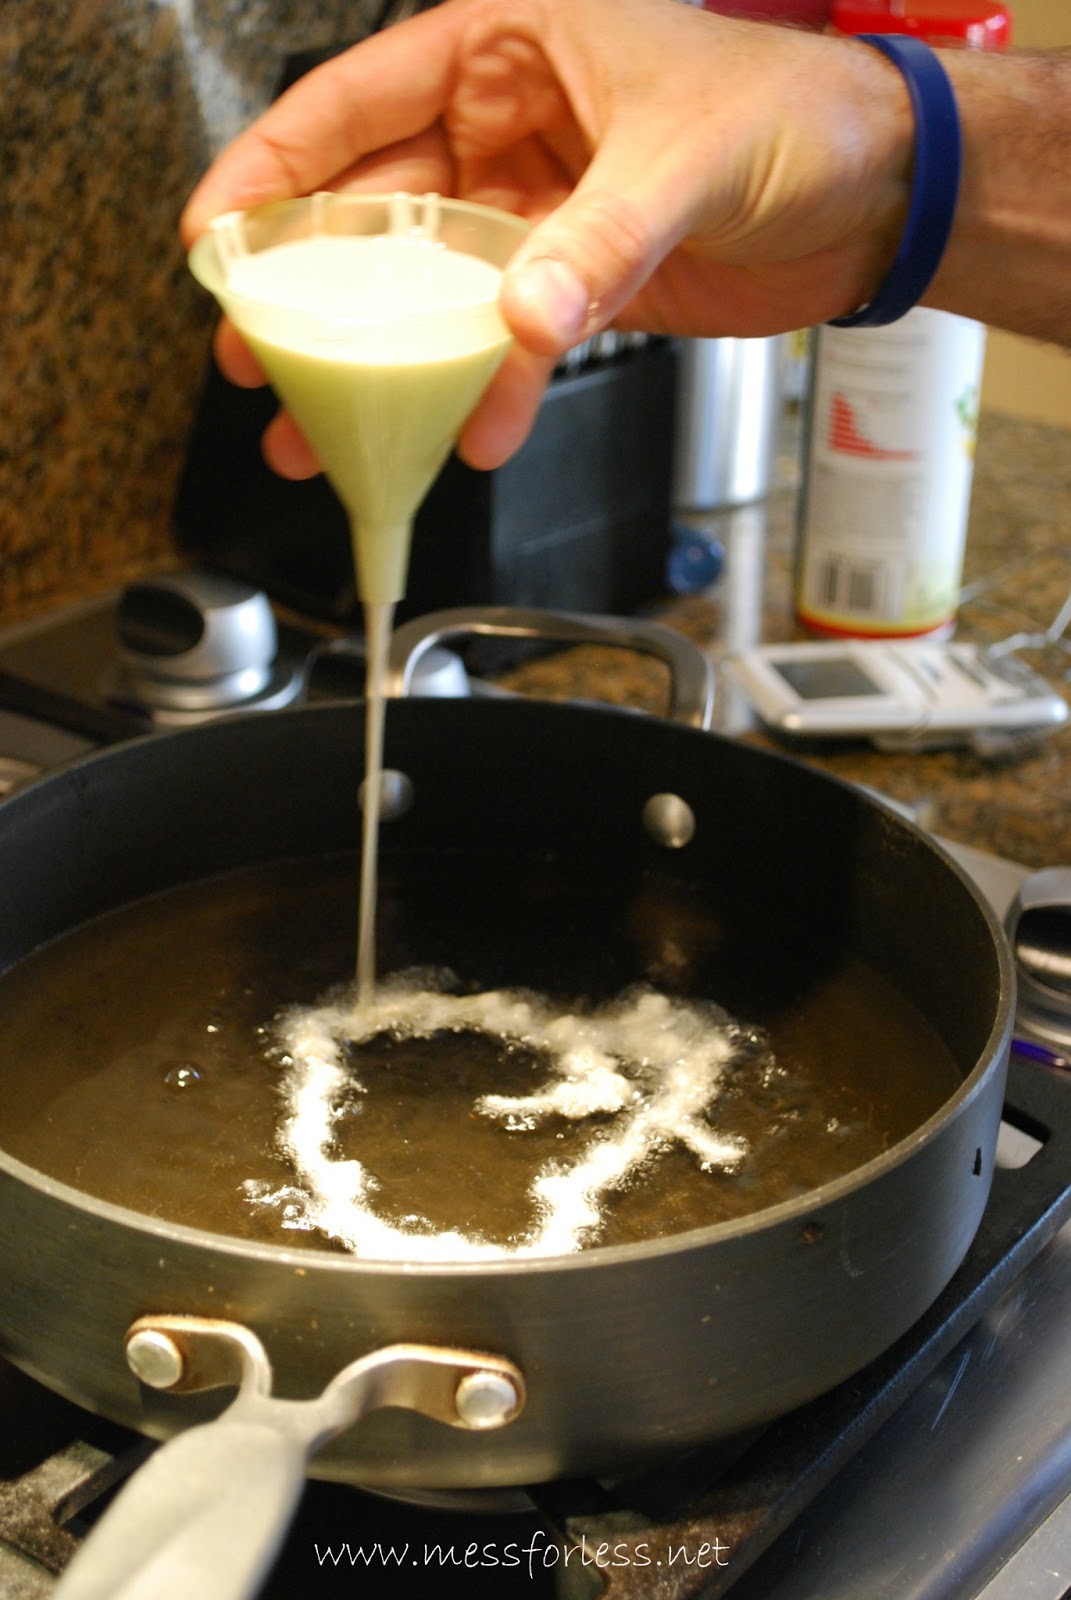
(852, 587)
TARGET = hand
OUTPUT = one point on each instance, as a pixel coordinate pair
(685, 173)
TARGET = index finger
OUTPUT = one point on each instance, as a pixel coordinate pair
(235, 359)
(380, 92)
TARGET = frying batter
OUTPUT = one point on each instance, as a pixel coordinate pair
(651, 1064)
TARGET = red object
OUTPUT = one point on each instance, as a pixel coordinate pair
(805, 13)
(976, 24)
(846, 435)
(860, 630)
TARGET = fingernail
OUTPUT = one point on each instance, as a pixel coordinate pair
(557, 296)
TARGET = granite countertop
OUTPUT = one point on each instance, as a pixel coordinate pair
(1017, 575)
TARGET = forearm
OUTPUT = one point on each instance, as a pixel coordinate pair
(1008, 262)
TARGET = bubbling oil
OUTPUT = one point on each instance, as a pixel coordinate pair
(631, 1079)
(147, 1064)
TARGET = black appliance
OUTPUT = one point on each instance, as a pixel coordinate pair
(578, 520)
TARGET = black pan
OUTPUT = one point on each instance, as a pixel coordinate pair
(537, 819)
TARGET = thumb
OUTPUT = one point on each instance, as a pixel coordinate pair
(586, 260)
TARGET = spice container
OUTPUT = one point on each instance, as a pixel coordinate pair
(892, 418)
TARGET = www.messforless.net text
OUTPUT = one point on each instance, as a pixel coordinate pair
(539, 1555)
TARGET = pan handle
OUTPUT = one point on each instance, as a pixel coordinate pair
(206, 1516)
(691, 673)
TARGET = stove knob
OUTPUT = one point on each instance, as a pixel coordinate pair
(196, 640)
(1038, 926)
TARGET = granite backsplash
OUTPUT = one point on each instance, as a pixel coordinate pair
(109, 112)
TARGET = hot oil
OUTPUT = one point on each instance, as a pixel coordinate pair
(145, 1065)
(620, 1082)
(464, 1183)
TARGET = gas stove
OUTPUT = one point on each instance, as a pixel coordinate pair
(942, 1471)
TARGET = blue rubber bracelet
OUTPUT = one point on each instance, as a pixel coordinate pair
(934, 185)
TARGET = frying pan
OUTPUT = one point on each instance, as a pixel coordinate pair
(539, 1369)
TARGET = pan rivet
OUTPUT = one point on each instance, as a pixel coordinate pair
(485, 1399)
(396, 794)
(154, 1358)
(669, 820)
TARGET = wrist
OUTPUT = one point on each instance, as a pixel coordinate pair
(883, 149)
(935, 177)
(1008, 261)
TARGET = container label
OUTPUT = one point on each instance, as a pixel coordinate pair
(890, 461)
